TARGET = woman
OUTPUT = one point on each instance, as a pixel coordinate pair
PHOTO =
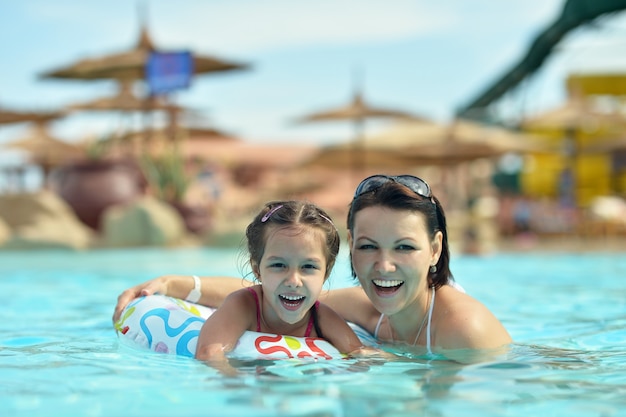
(399, 252)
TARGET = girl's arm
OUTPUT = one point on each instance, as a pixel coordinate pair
(224, 327)
(336, 331)
(213, 289)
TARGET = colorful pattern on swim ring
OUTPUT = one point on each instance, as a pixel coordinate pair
(169, 325)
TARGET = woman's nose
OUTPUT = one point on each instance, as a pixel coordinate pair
(385, 263)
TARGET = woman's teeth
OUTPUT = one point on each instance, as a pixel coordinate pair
(387, 283)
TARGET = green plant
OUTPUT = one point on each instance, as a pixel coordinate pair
(167, 176)
(98, 148)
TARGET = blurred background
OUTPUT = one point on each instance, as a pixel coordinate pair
(153, 123)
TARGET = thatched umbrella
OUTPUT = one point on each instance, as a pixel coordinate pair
(577, 115)
(13, 116)
(45, 150)
(409, 144)
(454, 143)
(417, 145)
(357, 111)
(131, 64)
(125, 101)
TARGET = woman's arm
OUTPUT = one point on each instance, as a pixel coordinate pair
(213, 290)
(336, 331)
(352, 305)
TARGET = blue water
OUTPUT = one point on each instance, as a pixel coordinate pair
(59, 355)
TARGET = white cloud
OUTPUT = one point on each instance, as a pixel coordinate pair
(252, 26)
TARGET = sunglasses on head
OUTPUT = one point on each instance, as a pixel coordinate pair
(415, 184)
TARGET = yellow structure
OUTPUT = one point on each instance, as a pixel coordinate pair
(573, 132)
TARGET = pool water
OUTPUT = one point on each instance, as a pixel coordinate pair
(59, 355)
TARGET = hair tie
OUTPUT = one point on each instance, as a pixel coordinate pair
(269, 213)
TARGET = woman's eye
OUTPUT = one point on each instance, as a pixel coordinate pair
(405, 247)
(366, 246)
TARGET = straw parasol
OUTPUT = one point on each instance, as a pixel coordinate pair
(357, 111)
(411, 146)
(131, 64)
(410, 143)
(450, 144)
(575, 115)
(12, 116)
(45, 150)
(125, 101)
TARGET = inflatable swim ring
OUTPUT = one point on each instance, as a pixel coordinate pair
(170, 325)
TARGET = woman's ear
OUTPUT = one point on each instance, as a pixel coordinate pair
(349, 236)
(437, 247)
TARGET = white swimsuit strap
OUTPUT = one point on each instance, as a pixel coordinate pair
(430, 316)
(380, 320)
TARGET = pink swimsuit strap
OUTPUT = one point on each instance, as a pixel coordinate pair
(258, 309)
(309, 326)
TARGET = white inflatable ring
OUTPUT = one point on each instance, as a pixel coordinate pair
(170, 325)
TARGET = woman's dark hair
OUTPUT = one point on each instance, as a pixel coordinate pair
(398, 197)
(284, 214)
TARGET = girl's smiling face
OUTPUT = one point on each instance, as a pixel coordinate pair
(391, 255)
(292, 272)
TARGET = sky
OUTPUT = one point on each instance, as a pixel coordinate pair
(424, 57)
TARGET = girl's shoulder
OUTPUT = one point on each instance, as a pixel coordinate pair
(245, 296)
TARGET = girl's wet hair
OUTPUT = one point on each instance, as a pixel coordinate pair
(285, 214)
(398, 197)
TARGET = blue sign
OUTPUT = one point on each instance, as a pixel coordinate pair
(169, 71)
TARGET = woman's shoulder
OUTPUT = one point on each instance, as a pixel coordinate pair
(456, 304)
(465, 322)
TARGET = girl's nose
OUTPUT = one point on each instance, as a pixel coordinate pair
(293, 279)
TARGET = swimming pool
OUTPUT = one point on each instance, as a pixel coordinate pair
(59, 354)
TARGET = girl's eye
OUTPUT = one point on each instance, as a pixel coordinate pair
(310, 266)
(276, 265)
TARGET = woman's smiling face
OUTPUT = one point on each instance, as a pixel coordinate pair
(391, 255)
(292, 273)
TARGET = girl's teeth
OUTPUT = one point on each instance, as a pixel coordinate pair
(385, 283)
(292, 297)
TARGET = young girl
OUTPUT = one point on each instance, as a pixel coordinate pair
(292, 247)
